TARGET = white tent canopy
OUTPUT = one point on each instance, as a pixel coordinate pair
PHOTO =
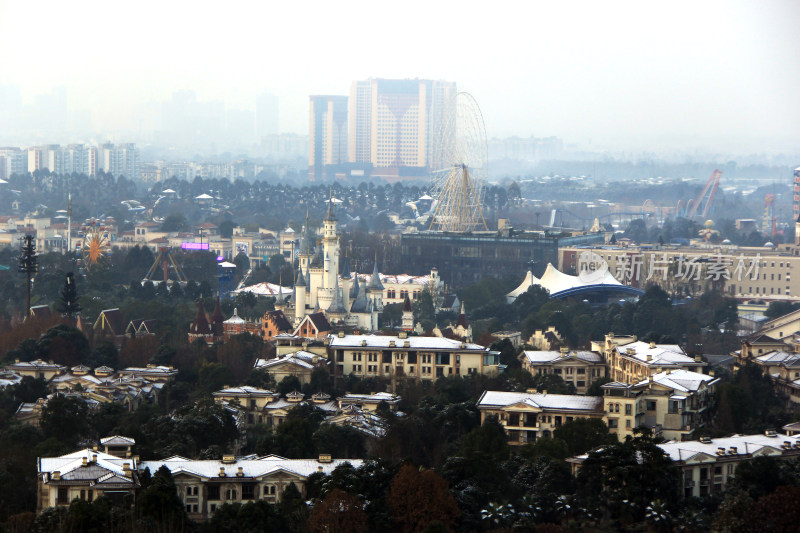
(556, 282)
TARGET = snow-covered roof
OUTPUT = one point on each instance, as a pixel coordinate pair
(375, 397)
(245, 390)
(265, 289)
(203, 196)
(656, 354)
(681, 380)
(117, 440)
(414, 342)
(778, 357)
(74, 461)
(744, 444)
(557, 282)
(549, 356)
(252, 468)
(300, 358)
(393, 279)
(9, 379)
(38, 364)
(571, 402)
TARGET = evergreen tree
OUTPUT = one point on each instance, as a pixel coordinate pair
(68, 302)
(28, 265)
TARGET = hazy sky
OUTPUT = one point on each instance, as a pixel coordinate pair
(720, 76)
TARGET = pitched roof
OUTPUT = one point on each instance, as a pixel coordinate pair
(278, 319)
(550, 356)
(319, 321)
(251, 468)
(199, 325)
(111, 319)
(544, 401)
(680, 380)
(416, 342)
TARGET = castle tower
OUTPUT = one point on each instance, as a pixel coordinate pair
(279, 303)
(330, 244)
(375, 288)
(408, 315)
(330, 251)
(346, 283)
(299, 296)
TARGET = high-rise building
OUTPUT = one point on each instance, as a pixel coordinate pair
(13, 160)
(327, 135)
(394, 123)
(120, 160)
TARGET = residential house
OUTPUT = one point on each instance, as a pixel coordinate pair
(46, 370)
(274, 323)
(708, 465)
(576, 367)
(370, 402)
(300, 364)
(673, 404)
(527, 416)
(206, 485)
(85, 475)
(632, 361)
(409, 357)
(314, 326)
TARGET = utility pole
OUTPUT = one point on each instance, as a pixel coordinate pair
(28, 265)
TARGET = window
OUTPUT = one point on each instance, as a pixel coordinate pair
(248, 491)
(651, 405)
(213, 492)
(269, 490)
(628, 409)
(230, 494)
(356, 356)
(612, 423)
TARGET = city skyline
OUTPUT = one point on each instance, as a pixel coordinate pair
(714, 76)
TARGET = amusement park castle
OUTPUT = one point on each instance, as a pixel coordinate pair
(318, 287)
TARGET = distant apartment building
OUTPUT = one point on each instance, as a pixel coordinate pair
(120, 160)
(327, 132)
(13, 160)
(394, 123)
(744, 273)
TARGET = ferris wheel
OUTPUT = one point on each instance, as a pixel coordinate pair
(459, 166)
(95, 244)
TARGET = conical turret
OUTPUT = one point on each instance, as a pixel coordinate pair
(375, 281)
